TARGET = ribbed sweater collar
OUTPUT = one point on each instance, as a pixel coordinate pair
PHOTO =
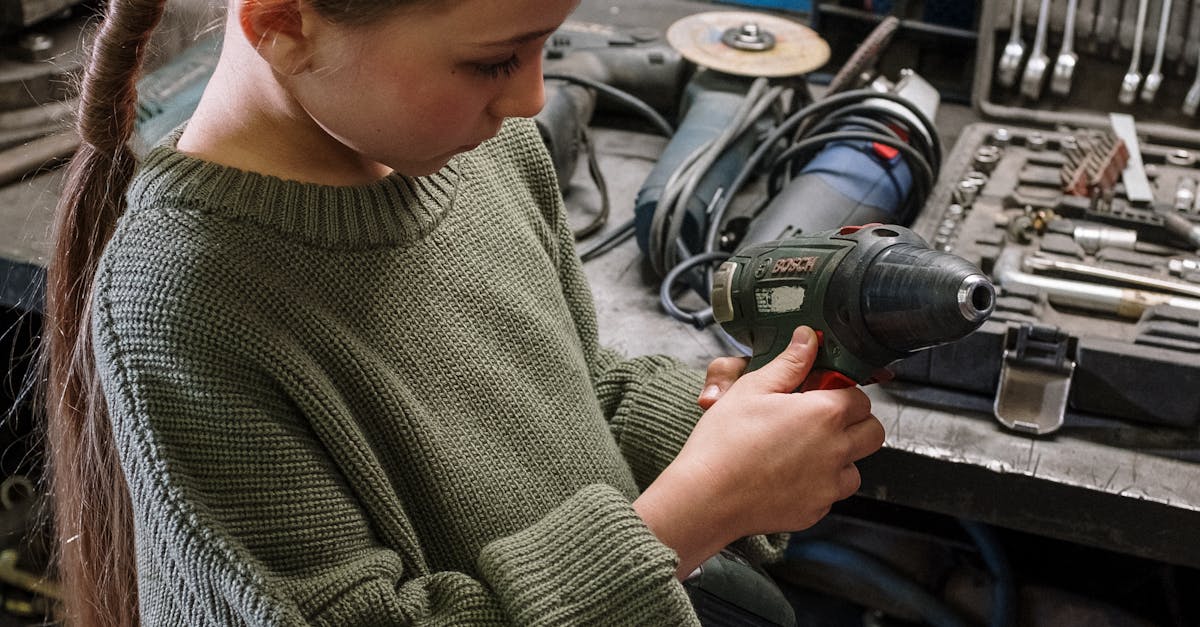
(393, 210)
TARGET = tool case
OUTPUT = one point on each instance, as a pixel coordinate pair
(1097, 319)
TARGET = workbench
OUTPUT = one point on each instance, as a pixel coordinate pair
(1090, 483)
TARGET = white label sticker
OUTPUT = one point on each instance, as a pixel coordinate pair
(780, 299)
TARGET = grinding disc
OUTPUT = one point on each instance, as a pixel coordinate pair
(746, 43)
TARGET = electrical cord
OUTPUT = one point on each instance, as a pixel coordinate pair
(593, 165)
(668, 213)
(890, 119)
(923, 176)
(609, 241)
(758, 101)
(697, 319)
(660, 123)
(667, 219)
(783, 130)
(637, 105)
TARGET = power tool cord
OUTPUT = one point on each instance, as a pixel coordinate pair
(611, 240)
(641, 108)
(593, 165)
(667, 219)
(699, 319)
(716, 217)
(923, 176)
(676, 213)
(890, 120)
(660, 123)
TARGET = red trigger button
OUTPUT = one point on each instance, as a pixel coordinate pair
(827, 380)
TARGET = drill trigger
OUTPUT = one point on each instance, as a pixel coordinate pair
(826, 380)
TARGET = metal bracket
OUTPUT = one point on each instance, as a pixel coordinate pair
(1035, 379)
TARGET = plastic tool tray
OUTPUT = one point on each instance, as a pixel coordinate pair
(1084, 322)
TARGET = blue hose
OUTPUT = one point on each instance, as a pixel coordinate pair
(1004, 595)
(890, 584)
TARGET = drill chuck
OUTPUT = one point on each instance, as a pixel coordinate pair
(876, 294)
(914, 298)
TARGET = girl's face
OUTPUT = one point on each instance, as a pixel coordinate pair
(429, 82)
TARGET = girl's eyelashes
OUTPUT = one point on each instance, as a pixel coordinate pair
(495, 70)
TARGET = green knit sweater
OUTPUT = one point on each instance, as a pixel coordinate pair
(380, 404)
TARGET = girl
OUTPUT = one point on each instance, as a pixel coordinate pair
(337, 363)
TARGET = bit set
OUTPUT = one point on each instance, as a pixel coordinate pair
(1093, 164)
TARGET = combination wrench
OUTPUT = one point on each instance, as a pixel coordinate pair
(1155, 78)
(1192, 100)
(1105, 32)
(1191, 44)
(1133, 76)
(1064, 65)
(1014, 50)
(1085, 20)
(1176, 36)
(1035, 66)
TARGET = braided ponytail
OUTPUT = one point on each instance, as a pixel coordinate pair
(92, 512)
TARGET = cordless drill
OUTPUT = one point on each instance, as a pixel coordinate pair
(874, 294)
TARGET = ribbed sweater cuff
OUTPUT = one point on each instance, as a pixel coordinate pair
(654, 420)
(590, 561)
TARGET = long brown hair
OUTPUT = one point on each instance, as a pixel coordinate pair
(92, 511)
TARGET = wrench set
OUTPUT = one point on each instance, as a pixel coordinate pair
(1099, 295)
(1136, 56)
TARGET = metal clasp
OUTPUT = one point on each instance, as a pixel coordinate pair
(1035, 379)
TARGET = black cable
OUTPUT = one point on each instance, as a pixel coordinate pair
(669, 214)
(700, 319)
(609, 241)
(625, 98)
(889, 118)
(923, 176)
(597, 175)
(786, 127)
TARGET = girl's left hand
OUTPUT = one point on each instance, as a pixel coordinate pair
(722, 372)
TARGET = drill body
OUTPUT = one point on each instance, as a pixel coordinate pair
(875, 294)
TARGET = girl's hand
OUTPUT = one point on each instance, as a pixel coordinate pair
(722, 372)
(762, 460)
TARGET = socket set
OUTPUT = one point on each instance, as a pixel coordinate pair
(1092, 241)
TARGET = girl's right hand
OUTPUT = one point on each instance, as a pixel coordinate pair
(763, 459)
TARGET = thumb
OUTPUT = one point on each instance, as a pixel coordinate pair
(789, 368)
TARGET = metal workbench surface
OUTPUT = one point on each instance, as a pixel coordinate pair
(1083, 485)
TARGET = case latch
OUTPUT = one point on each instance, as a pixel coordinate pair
(1035, 379)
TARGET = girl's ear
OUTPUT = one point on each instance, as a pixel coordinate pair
(279, 31)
